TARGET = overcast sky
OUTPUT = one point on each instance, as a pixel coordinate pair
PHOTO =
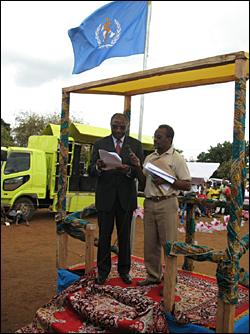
(37, 62)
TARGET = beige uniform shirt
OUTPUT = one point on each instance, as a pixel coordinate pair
(174, 163)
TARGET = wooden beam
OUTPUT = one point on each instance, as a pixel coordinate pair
(169, 86)
(133, 92)
(189, 238)
(240, 68)
(225, 317)
(89, 247)
(62, 250)
(190, 65)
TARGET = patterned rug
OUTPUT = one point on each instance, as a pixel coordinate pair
(85, 307)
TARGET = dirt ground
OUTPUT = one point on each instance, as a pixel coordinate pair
(28, 270)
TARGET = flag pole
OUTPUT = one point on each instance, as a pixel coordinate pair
(144, 67)
(132, 233)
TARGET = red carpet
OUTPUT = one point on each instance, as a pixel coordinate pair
(85, 307)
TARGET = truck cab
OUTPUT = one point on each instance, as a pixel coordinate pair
(30, 176)
(23, 179)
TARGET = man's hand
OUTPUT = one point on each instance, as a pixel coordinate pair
(135, 161)
(123, 168)
(158, 180)
(100, 164)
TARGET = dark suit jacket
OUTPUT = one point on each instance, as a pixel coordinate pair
(113, 183)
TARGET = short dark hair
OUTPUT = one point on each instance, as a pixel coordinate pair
(120, 115)
(169, 130)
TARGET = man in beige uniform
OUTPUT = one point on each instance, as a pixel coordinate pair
(161, 204)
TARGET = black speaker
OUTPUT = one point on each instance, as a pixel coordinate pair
(87, 183)
(74, 183)
(76, 160)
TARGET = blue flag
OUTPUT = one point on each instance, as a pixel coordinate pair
(117, 29)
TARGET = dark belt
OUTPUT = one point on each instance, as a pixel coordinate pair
(159, 198)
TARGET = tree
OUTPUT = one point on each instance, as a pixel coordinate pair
(6, 138)
(221, 153)
(29, 124)
(224, 171)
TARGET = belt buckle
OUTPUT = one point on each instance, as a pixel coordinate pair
(157, 198)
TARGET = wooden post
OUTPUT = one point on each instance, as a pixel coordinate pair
(225, 317)
(89, 247)
(62, 239)
(190, 232)
(170, 278)
(62, 250)
(226, 312)
(63, 156)
(127, 110)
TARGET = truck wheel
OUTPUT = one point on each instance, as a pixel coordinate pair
(26, 206)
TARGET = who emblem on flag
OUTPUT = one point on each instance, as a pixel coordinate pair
(117, 29)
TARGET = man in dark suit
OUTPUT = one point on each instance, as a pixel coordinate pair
(115, 197)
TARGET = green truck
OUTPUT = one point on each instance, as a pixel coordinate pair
(29, 176)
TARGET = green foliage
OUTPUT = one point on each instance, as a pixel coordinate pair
(29, 124)
(224, 171)
(221, 153)
(6, 138)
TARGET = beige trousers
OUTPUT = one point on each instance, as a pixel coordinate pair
(160, 225)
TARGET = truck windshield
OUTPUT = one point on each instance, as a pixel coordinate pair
(17, 162)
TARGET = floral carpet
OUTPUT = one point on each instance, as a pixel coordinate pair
(85, 307)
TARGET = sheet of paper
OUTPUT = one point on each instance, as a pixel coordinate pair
(111, 159)
(162, 165)
(164, 187)
(159, 172)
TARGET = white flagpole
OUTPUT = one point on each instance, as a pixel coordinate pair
(132, 233)
(144, 67)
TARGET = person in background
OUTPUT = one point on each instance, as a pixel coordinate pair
(225, 193)
(161, 203)
(208, 190)
(214, 193)
(202, 195)
(115, 197)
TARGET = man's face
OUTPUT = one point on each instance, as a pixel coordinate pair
(161, 140)
(118, 127)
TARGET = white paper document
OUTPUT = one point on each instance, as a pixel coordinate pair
(152, 169)
(111, 159)
(164, 187)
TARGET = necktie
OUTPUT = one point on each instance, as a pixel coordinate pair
(117, 146)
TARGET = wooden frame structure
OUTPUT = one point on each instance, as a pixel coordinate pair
(212, 70)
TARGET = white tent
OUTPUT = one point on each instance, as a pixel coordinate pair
(202, 171)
